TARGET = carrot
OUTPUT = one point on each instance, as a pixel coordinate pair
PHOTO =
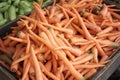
(87, 34)
(6, 42)
(28, 45)
(60, 43)
(40, 13)
(14, 68)
(66, 51)
(28, 55)
(104, 11)
(41, 2)
(47, 72)
(26, 71)
(115, 15)
(10, 49)
(57, 28)
(95, 52)
(81, 57)
(68, 23)
(37, 66)
(31, 71)
(44, 77)
(85, 71)
(55, 64)
(90, 73)
(88, 66)
(63, 38)
(93, 27)
(71, 78)
(46, 54)
(48, 65)
(64, 11)
(75, 51)
(52, 11)
(89, 57)
(107, 30)
(17, 39)
(13, 43)
(108, 34)
(87, 47)
(101, 52)
(68, 11)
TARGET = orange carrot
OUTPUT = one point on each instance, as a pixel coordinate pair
(89, 57)
(37, 66)
(48, 65)
(87, 34)
(95, 52)
(90, 73)
(26, 71)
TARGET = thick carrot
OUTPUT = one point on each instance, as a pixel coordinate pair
(75, 51)
(107, 30)
(28, 45)
(95, 52)
(81, 57)
(88, 66)
(14, 68)
(36, 65)
(89, 57)
(90, 73)
(26, 71)
(85, 71)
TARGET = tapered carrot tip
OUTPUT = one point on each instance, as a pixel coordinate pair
(83, 78)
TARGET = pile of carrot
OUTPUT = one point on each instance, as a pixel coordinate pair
(69, 40)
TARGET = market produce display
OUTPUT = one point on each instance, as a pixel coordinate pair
(69, 40)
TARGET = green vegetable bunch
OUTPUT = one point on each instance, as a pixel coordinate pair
(10, 9)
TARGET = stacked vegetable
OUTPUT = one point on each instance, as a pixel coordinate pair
(10, 9)
(69, 40)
